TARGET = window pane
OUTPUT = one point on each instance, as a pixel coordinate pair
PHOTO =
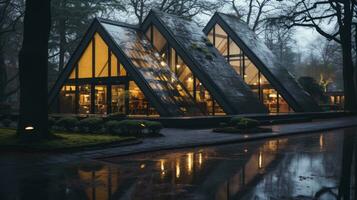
(84, 99)
(221, 40)
(101, 57)
(283, 105)
(118, 99)
(159, 40)
(251, 75)
(114, 65)
(100, 99)
(73, 74)
(137, 101)
(270, 99)
(67, 99)
(85, 63)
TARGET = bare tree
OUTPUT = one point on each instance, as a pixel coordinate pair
(184, 8)
(11, 13)
(319, 14)
(253, 12)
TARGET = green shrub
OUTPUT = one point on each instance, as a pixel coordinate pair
(112, 126)
(116, 116)
(6, 122)
(51, 122)
(153, 127)
(244, 123)
(132, 126)
(67, 123)
(90, 124)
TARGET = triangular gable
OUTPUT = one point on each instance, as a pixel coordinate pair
(227, 88)
(265, 61)
(156, 81)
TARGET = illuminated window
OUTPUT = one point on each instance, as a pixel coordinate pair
(67, 99)
(85, 63)
(84, 99)
(100, 99)
(117, 68)
(158, 40)
(101, 57)
(118, 99)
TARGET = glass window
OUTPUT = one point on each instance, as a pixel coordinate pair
(100, 101)
(251, 74)
(159, 40)
(270, 99)
(101, 57)
(118, 99)
(73, 74)
(84, 99)
(148, 33)
(67, 99)
(117, 68)
(85, 63)
(137, 102)
(221, 40)
(283, 105)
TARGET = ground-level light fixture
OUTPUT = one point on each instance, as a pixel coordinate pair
(29, 128)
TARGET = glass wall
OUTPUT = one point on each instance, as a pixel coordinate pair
(68, 99)
(100, 99)
(93, 83)
(118, 99)
(248, 71)
(183, 73)
(84, 99)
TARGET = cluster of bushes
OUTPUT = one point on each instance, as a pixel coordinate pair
(98, 125)
(241, 125)
(6, 122)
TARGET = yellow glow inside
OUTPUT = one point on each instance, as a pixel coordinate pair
(162, 165)
(142, 166)
(163, 63)
(321, 141)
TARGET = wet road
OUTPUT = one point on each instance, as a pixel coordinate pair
(300, 167)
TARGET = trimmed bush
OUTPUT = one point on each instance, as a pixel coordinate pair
(116, 116)
(68, 123)
(153, 127)
(112, 126)
(132, 127)
(51, 122)
(243, 123)
(6, 122)
(90, 124)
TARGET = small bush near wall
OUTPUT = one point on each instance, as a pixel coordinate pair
(67, 123)
(51, 122)
(6, 122)
(112, 126)
(90, 125)
(153, 127)
(132, 127)
(241, 125)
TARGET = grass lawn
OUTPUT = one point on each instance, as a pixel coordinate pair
(62, 141)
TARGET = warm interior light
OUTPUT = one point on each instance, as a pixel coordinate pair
(178, 66)
(163, 63)
(142, 166)
(200, 158)
(245, 75)
(189, 162)
(273, 95)
(189, 79)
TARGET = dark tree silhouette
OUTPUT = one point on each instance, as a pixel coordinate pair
(33, 60)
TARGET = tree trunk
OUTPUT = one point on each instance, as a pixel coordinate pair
(348, 71)
(33, 67)
(3, 77)
(344, 190)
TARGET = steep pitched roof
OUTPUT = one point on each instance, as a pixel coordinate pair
(281, 79)
(227, 88)
(141, 60)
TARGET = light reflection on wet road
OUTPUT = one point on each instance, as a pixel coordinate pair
(299, 167)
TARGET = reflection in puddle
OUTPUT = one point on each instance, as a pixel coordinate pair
(298, 167)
